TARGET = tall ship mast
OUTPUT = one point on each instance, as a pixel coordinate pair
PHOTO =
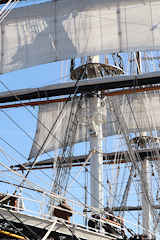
(80, 155)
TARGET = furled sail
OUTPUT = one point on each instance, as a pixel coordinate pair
(58, 30)
(140, 113)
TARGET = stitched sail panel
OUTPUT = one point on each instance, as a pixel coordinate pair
(59, 30)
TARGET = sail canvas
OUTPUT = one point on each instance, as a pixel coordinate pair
(59, 30)
(140, 113)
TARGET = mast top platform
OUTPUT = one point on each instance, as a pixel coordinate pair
(142, 141)
(92, 70)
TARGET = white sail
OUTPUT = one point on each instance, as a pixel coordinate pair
(58, 30)
(140, 113)
(48, 114)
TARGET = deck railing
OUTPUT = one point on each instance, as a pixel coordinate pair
(82, 218)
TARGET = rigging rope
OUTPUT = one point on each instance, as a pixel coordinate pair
(7, 9)
(62, 174)
(134, 156)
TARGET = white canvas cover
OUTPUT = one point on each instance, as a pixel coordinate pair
(140, 112)
(58, 30)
